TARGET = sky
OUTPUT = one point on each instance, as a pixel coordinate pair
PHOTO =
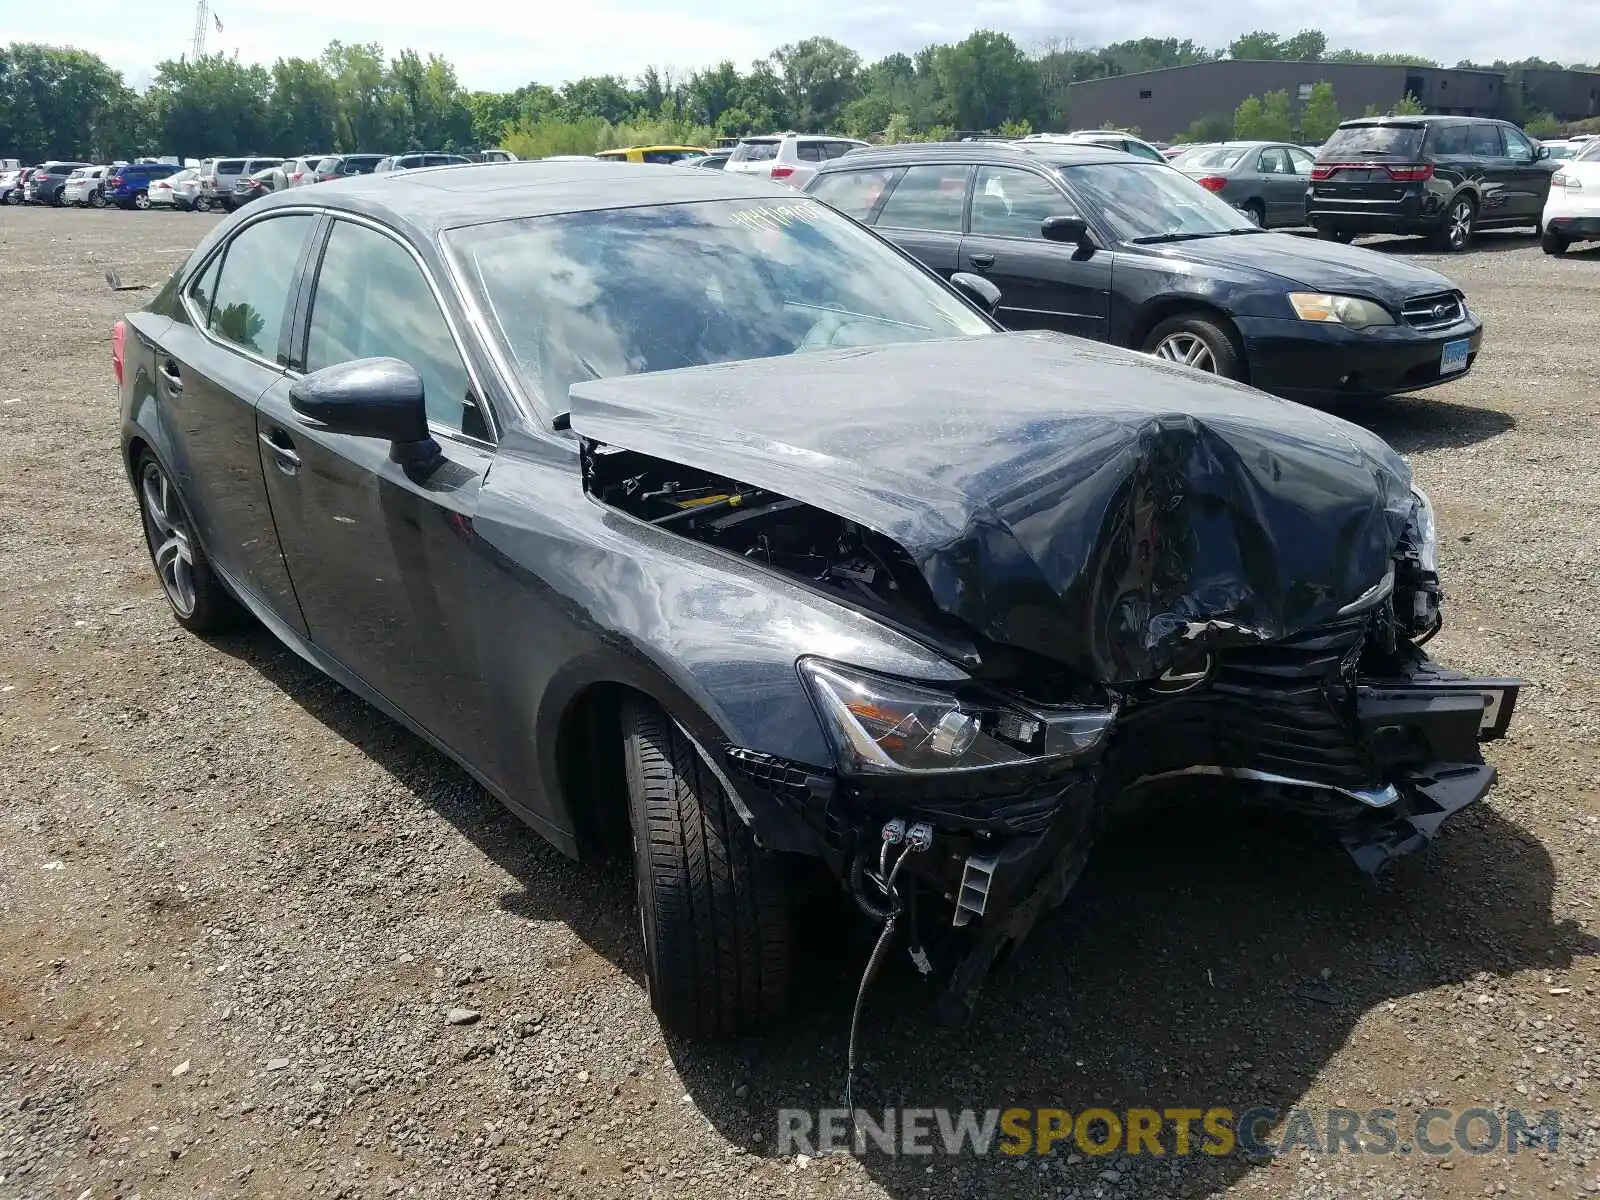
(502, 44)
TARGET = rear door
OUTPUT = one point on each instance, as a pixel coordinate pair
(923, 214)
(1281, 189)
(212, 366)
(1043, 285)
(384, 562)
(1527, 177)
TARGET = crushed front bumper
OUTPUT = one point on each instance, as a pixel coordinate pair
(1380, 761)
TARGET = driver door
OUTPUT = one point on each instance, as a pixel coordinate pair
(1043, 285)
(386, 566)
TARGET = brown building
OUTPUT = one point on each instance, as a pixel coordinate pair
(1162, 104)
(1568, 95)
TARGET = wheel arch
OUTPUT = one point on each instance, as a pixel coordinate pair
(1164, 308)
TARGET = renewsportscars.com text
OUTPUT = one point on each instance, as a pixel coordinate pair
(1257, 1132)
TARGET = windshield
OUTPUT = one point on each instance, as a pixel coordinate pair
(1588, 151)
(1143, 202)
(623, 291)
(1559, 150)
(1214, 156)
(1372, 141)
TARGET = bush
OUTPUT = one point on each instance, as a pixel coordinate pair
(588, 135)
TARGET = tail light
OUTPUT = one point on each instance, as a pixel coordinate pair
(1410, 172)
(1323, 172)
(209, 181)
(115, 181)
(297, 176)
(119, 338)
(1212, 183)
(782, 172)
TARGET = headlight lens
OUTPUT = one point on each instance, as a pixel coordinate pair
(884, 726)
(1426, 531)
(1350, 311)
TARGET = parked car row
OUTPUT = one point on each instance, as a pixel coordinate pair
(215, 183)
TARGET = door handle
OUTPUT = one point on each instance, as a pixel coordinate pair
(171, 376)
(282, 447)
(982, 261)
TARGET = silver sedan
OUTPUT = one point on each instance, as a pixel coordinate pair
(1266, 180)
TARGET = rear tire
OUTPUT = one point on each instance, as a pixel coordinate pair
(712, 904)
(1455, 234)
(202, 204)
(97, 199)
(1553, 243)
(1197, 340)
(1343, 236)
(199, 601)
(141, 200)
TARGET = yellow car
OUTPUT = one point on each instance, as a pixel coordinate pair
(652, 154)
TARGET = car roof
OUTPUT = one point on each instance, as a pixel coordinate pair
(1055, 154)
(427, 201)
(1417, 119)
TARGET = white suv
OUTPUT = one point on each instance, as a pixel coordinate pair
(791, 158)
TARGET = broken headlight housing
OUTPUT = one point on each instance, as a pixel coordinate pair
(1424, 531)
(884, 726)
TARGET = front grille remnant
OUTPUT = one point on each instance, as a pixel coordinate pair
(1281, 708)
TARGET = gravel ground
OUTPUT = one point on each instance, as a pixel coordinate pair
(237, 906)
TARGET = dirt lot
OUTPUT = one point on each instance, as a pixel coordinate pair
(236, 904)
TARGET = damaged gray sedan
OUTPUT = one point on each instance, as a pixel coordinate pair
(691, 517)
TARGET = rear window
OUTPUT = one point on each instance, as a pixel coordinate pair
(360, 164)
(1400, 141)
(230, 166)
(1217, 156)
(258, 164)
(754, 152)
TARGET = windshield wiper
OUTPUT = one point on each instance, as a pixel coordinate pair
(1152, 239)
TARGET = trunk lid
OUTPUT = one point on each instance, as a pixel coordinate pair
(1076, 500)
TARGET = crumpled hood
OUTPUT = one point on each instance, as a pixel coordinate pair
(1073, 499)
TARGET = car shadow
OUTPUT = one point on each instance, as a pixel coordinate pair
(1211, 956)
(1489, 241)
(1423, 420)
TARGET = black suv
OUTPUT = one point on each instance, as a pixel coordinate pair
(1442, 176)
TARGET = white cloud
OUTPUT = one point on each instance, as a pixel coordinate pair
(501, 44)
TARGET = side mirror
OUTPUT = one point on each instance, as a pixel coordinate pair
(370, 397)
(977, 289)
(1065, 229)
(1542, 152)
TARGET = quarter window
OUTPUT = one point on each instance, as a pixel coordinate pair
(853, 193)
(927, 198)
(250, 301)
(1012, 203)
(373, 301)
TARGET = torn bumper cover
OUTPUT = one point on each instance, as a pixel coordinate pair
(1379, 762)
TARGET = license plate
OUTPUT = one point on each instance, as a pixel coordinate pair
(1454, 357)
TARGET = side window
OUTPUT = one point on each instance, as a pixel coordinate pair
(372, 300)
(853, 193)
(203, 289)
(1449, 140)
(1483, 141)
(809, 151)
(927, 198)
(1301, 162)
(1273, 162)
(1517, 146)
(1013, 203)
(251, 300)
(837, 149)
(1139, 150)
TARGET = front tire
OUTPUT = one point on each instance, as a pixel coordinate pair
(1456, 233)
(1326, 234)
(712, 904)
(202, 204)
(1257, 212)
(1553, 243)
(198, 599)
(1196, 340)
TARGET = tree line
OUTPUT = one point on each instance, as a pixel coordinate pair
(60, 102)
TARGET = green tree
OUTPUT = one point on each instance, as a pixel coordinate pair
(1320, 116)
(366, 120)
(986, 81)
(303, 110)
(1259, 44)
(819, 77)
(1249, 119)
(1215, 128)
(1409, 106)
(213, 105)
(1309, 45)
(57, 102)
(1542, 125)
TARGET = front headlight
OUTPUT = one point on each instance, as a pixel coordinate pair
(1425, 531)
(884, 726)
(1349, 311)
